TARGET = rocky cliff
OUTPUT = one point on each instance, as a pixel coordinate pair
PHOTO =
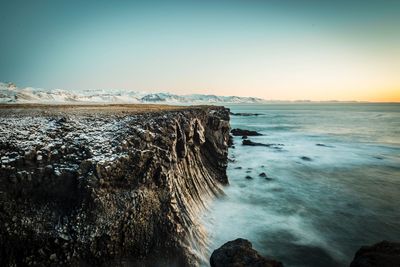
(88, 187)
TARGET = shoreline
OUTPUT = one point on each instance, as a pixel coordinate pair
(107, 186)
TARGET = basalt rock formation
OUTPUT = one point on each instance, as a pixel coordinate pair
(93, 188)
(239, 253)
(382, 254)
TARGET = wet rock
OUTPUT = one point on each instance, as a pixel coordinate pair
(248, 142)
(323, 145)
(238, 168)
(248, 177)
(243, 132)
(240, 253)
(230, 141)
(107, 186)
(263, 175)
(306, 158)
(382, 254)
(246, 114)
(244, 137)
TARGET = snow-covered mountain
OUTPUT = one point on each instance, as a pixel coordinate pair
(10, 93)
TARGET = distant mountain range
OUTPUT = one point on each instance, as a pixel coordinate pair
(10, 93)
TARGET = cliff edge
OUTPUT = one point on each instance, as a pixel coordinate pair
(93, 186)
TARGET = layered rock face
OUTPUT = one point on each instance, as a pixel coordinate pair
(90, 188)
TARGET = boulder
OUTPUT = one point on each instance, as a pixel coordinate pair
(382, 254)
(243, 132)
(239, 253)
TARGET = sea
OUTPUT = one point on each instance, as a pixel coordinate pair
(332, 185)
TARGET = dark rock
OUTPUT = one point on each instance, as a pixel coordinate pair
(239, 253)
(306, 158)
(248, 177)
(244, 137)
(238, 168)
(117, 186)
(263, 175)
(230, 141)
(248, 142)
(382, 254)
(246, 114)
(242, 132)
(323, 145)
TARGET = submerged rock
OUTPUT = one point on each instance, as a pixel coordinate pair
(323, 145)
(306, 158)
(246, 114)
(242, 132)
(382, 254)
(239, 253)
(247, 142)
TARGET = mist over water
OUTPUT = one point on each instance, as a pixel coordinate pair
(318, 210)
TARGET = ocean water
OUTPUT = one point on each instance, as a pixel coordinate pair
(319, 210)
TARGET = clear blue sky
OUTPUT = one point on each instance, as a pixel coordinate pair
(273, 49)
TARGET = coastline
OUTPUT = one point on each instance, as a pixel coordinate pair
(83, 186)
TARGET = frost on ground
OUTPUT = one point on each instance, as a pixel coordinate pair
(96, 183)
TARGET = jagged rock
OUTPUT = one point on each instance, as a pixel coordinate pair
(239, 253)
(242, 132)
(110, 184)
(263, 175)
(382, 254)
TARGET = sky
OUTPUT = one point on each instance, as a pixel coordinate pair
(273, 49)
